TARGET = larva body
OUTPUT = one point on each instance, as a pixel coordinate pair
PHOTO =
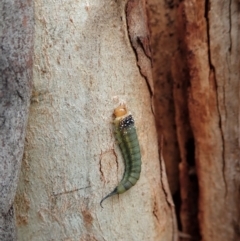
(126, 136)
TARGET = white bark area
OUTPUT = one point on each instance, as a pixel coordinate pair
(84, 65)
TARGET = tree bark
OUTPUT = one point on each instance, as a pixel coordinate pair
(219, 153)
(205, 68)
(164, 43)
(171, 83)
(211, 40)
(16, 34)
(88, 58)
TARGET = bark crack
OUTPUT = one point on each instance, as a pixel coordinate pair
(139, 40)
(70, 191)
(230, 24)
(100, 167)
(20, 95)
(212, 69)
(155, 211)
(138, 35)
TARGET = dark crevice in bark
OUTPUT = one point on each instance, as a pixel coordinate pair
(177, 202)
(171, 73)
(194, 190)
(189, 186)
(230, 25)
(190, 150)
(212, 69)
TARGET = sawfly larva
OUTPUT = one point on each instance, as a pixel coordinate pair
(126, 136)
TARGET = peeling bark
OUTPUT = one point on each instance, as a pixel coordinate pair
(16, 36)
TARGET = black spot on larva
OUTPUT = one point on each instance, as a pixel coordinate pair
(126, 122)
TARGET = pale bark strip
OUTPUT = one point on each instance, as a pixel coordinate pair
(223, 21)
(16, 40)
(84, 65)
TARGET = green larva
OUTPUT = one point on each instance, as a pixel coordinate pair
(126, 136)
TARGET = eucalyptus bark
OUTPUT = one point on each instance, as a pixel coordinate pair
(205, 68)
(164, 43)
(16, 39)
(89, 57)
(211, 51)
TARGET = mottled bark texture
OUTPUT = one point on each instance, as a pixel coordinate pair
(205, 68)
(16, 41)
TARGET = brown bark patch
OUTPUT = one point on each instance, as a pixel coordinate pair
(88, 237)
(22, 209)
(87, 217)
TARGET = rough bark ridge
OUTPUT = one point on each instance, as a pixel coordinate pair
(16, 39)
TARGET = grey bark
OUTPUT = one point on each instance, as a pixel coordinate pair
(16, 43)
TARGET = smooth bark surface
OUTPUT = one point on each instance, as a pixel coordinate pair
(16, 39)
(89, 56)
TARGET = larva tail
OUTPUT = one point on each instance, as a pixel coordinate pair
(114, 192)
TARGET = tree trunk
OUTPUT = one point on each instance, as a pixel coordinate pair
(212, 53)
(88, 58)
(201, 77)
(16, 38)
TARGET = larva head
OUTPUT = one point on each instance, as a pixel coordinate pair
(120, 111)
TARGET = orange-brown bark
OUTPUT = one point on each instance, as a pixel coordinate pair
(205, 91)
(164, 44)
